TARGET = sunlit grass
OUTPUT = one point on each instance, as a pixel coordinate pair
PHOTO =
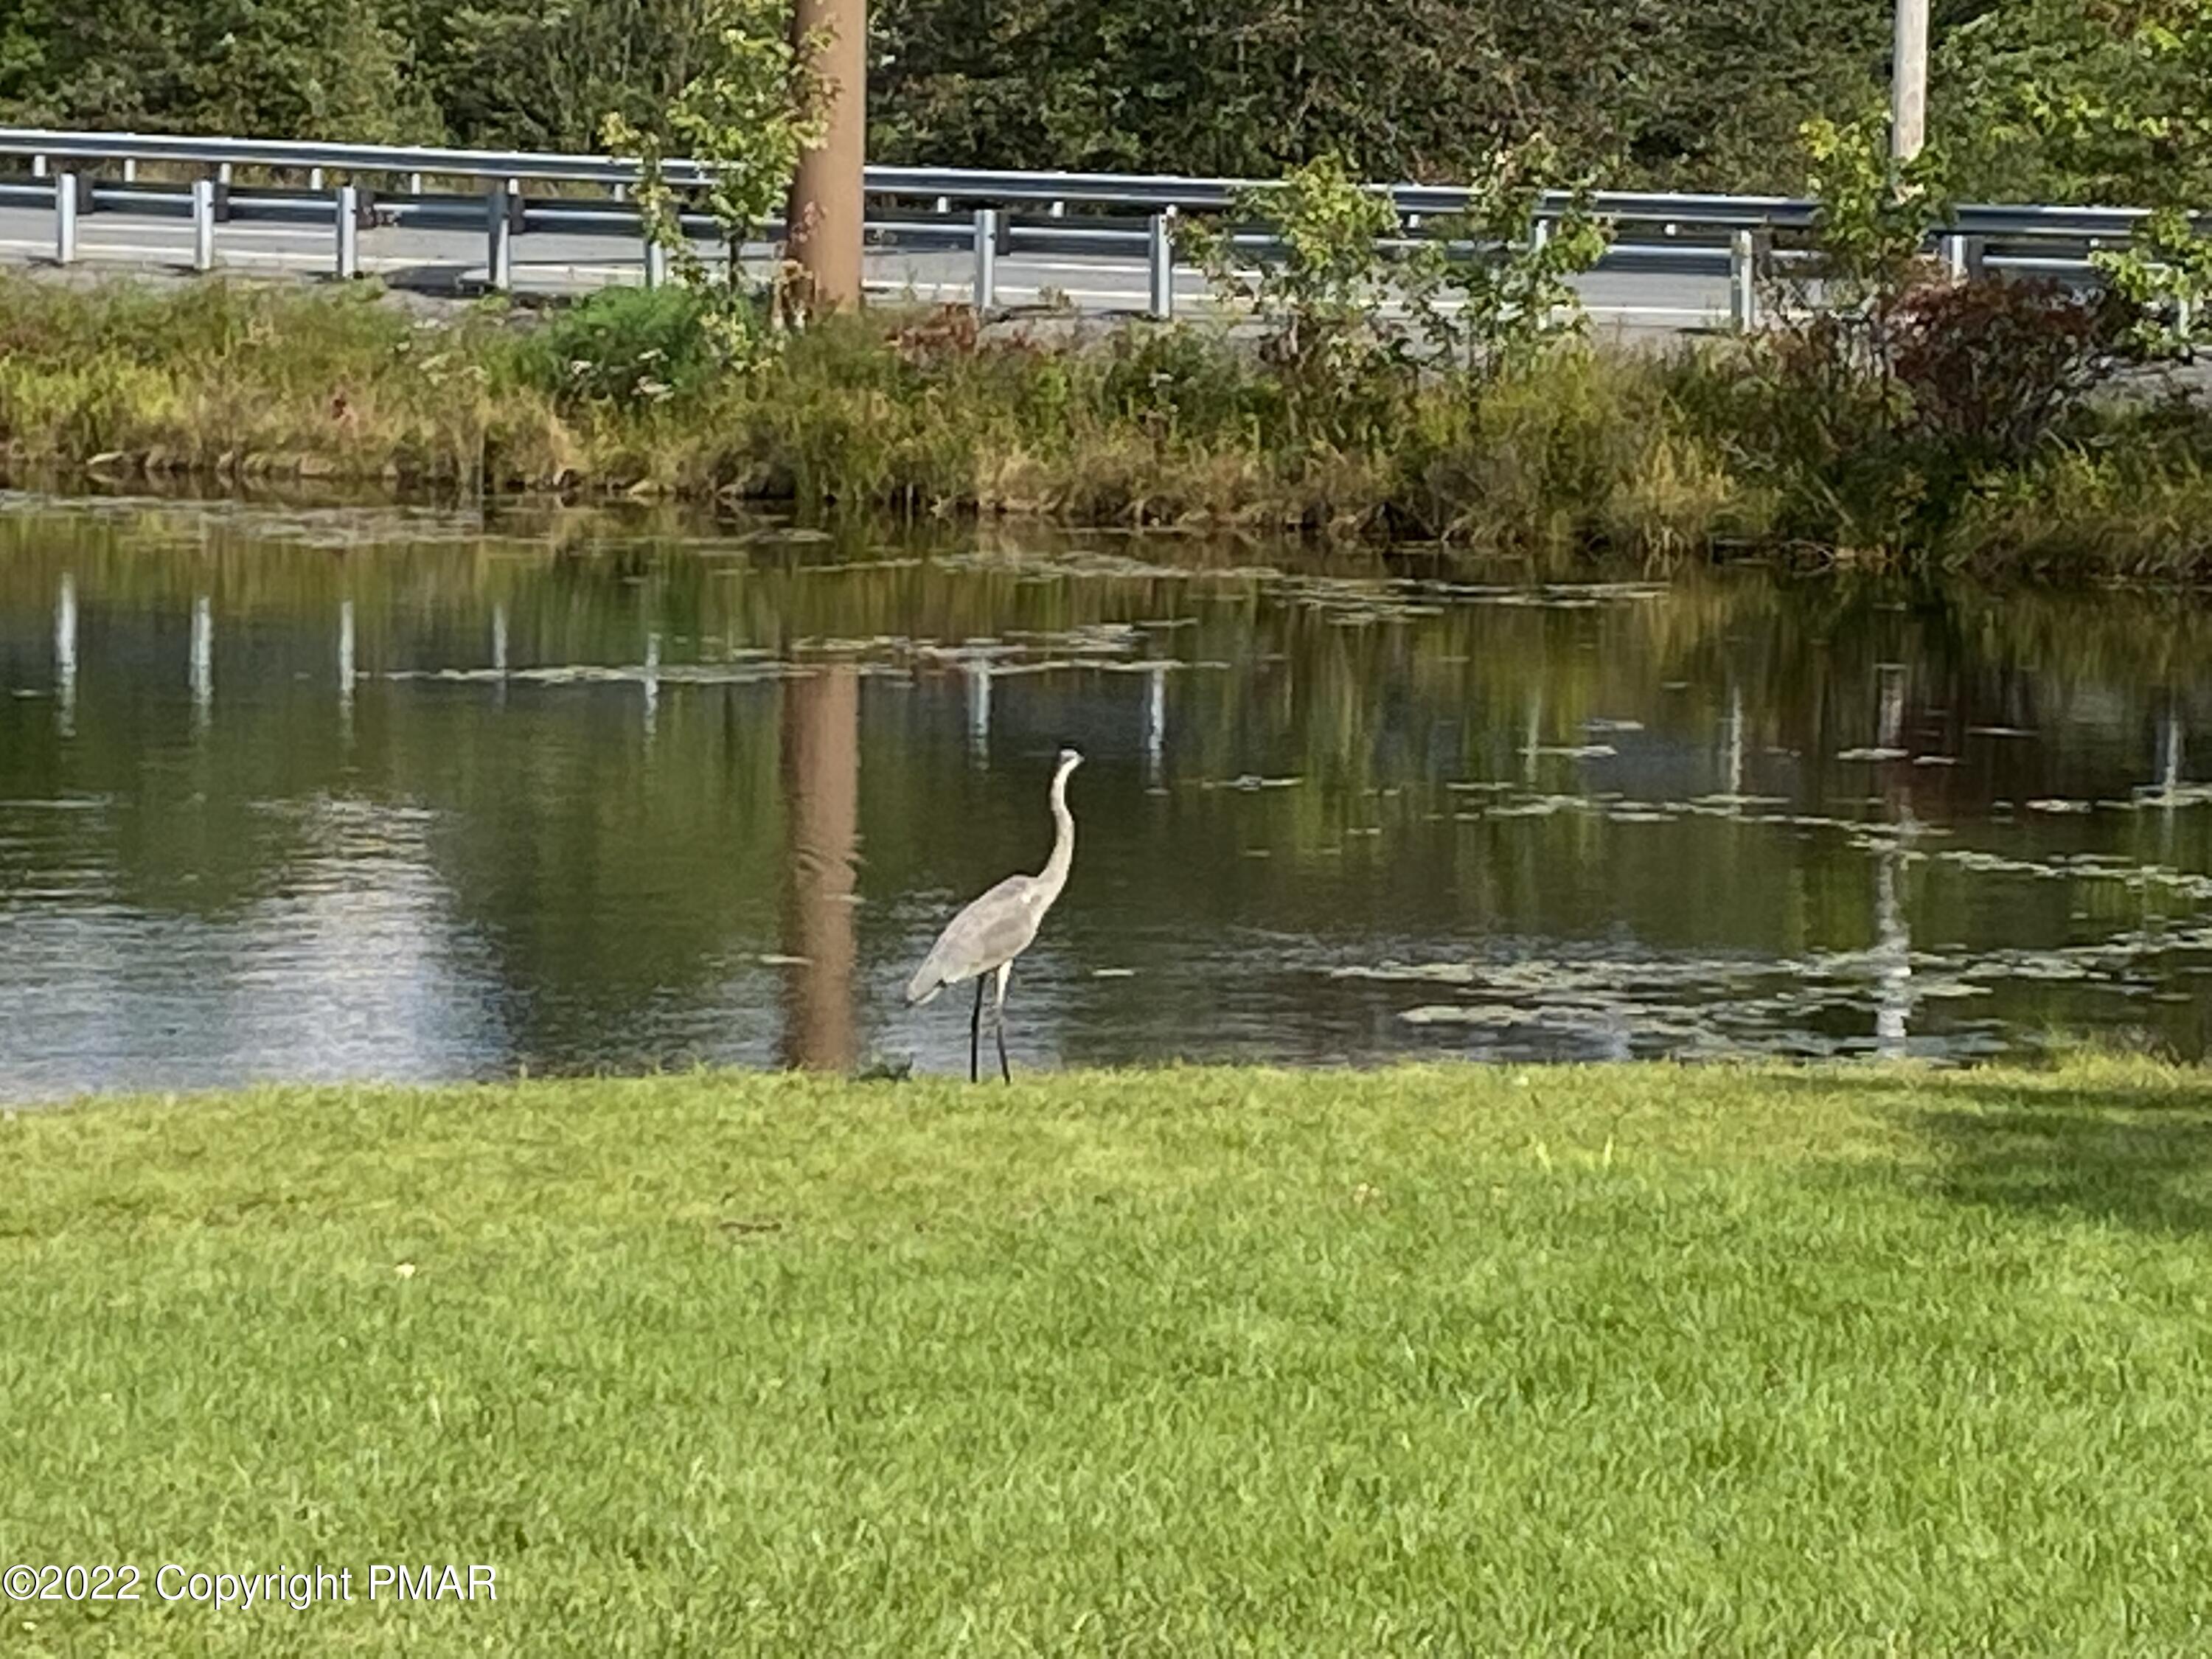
(1634, 1360)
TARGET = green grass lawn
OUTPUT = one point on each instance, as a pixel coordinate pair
(1637, 1360)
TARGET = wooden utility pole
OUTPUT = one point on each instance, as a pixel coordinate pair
(1908, 82)
(825, 211)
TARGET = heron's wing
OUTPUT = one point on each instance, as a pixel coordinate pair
(995, 928)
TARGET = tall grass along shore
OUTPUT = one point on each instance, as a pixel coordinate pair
(1687, 451)
(1635, 1360)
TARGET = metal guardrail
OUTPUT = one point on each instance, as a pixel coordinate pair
(1706, 235)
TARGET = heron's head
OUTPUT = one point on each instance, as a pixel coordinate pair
(1070, 758)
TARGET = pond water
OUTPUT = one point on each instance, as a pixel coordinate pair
(291, 793)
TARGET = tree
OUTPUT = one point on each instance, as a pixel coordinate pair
(746, 114)
(2109, 102)
(547, 76)
(292, 68)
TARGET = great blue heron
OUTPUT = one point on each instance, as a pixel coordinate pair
(985, 938)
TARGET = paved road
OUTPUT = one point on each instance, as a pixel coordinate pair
(558, 261)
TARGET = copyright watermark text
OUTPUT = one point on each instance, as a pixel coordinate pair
(298, 1588)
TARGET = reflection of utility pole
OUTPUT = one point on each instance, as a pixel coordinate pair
(1155, 720)
(1889, 726)
(65, 654)
(820, 769)
(824, 217)
(979, 711)
(1908, 82)
(1893, 952)
(1734, 746)
(202, 661)
(345, 666)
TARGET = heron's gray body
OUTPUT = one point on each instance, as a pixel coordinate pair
(987, 936)
(990, 932)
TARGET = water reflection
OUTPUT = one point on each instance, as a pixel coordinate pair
(597, 798)
(821, 778)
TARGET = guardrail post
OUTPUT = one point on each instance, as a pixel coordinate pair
(499, 265)
(986, 260)
(38, 167)
(414, 184)
(1963, 255)
(1743, 281)
(64, 218)
(314, 178)
(656, 262)
(347, 215)
(203, 224)
(1160, 263)
(129, 169)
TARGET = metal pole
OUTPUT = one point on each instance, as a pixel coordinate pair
(314, 177)
(348, 218)
(1908, 85)
(499, 265)
(203, 224)
(414, 184)
(38, 167)
(1743, 281)
(64, 218)
(986, 260)
(129, 169)
(656, 263)
(1161, 261)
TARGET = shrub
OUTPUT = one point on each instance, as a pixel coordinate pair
(626, 346)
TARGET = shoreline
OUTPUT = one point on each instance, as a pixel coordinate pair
(1592, 453)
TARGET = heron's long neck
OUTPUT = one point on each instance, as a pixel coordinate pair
(1063, 837)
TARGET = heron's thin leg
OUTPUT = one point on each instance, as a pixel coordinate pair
(1006, 972)
(976, 1035)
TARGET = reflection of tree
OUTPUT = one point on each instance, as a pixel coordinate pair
(821, 777)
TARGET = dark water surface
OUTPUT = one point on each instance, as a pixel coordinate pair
(270, 808)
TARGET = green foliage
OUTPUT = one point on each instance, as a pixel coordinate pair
(1875, 216)
(1660, 93)
(2166, 273)
(629, 346)
(1481, 291)
(1979, 439)
(547, 75)
(746, 115)
(2057, 99)
(2110, 103)
(1462, 1359)
(1342, 368)
(290, 69)
(1491, 287)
